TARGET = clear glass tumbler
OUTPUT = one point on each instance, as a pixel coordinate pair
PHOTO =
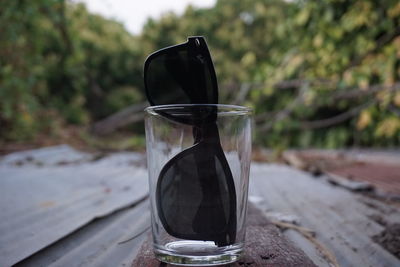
(198, 218)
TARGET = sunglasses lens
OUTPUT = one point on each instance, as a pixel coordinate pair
(162, 86)
(183, 74)
(196, 197)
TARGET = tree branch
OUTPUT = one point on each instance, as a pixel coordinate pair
(356, 93)
(241, 96)
(134, 113)
(394, 109)
(353, 93)
(316, 124)
(288, 110)
(122, 118)
(381, 42)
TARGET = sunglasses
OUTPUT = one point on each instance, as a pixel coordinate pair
(195, 192)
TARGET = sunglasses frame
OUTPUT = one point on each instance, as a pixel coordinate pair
(198, 59)
(194, 43)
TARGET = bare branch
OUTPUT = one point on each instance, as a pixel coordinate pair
(281, 115)
(241, 96)
(122, 118)
(356, 93)
(297, 83)
(336, 119)
(134, 113)
(381, 42)
(394, 109)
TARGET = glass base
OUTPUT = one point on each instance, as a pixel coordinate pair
(197, 253)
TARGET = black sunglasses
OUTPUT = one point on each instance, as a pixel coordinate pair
(195, 193)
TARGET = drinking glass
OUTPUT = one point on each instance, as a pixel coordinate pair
(179, 192)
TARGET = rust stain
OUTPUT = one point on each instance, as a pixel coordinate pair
(385, 177)
(47, 204)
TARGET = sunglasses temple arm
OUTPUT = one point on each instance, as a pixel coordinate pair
(211, 188)
(232, 219)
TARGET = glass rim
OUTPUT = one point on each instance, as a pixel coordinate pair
(221, 108)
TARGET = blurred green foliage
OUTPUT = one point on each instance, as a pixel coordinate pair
(58, 62)
(317, 73)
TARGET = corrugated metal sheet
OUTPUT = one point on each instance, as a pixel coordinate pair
(110, 241)
(340, 219)
(80, 212)
(41, 204)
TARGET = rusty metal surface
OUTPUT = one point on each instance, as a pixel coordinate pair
(40, 204)
(388, 156)
(383, 176)
(379, 169)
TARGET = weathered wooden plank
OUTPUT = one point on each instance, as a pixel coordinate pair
(339, 218)
(123, 117)
(265, 246)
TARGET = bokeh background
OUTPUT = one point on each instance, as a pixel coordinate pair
(319, 74)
